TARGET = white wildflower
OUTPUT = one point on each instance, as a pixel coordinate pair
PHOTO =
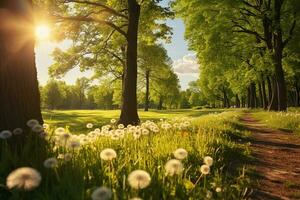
(89, 125)
(173, 167)
(108, 154)
(102, 193)
(5, 134)
(32, 122)
(205, 169)
(208, 160)
(25, 178)
(139, 179)
(180, 154)
(17, 131)
(50, 163)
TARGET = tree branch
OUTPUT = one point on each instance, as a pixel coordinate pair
(107, 8)
(90, 19)
(244, 30)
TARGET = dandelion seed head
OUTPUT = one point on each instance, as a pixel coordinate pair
(32, 122)
(89, 125)
(50, 162)
(108, 154)
(102, 193)
(180, 154)
(173, 167)
(208, 160)
(218, 189)
(37, 128)
(59, 131)
(205, 169)
(17, 131)
(46, 126)
(139, 179)
(24, 178)
(5, 134)
(121, 126)
(113, 121)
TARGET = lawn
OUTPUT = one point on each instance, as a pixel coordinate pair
(189, 155)
(76, 120)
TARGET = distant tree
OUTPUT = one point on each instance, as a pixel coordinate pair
(53, 94)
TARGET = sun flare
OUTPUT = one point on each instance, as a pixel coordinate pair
(42, 32)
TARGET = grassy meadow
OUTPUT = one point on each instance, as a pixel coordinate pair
(76, 120)
(287, 121)
(189, 154)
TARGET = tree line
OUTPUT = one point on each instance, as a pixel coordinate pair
(248, 50)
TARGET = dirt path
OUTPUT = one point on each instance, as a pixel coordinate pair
(277, 161)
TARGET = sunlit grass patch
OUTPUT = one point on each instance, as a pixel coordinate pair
(288, 121)
(206, 163)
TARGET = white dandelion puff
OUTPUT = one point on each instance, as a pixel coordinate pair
(205, 169)
(17, 131)
(50, 163)
(32, 122)
(74, 144)
(25, 178)
(37, 128)
(180, 154)
(102, 193)
(113, 121)
(46, 126)
(59, 131)
(218, 189)
(139, 179)
(208, 160)
(5, 134)
(173, 167)
(121, 126)
(89, 125)
(108, 154)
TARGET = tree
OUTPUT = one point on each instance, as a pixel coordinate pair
(19, 91)
(153, 59)
(123, 18)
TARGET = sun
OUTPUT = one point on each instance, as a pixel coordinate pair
(42, 32)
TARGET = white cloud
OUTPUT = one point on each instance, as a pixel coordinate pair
(186, 65)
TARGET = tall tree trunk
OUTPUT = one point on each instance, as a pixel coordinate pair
(129, 113)
(252, 95)
(269, 90)
(19, 92)
(274, 99)
(278, 49)
(147, 90)
(237, 101)
(265, 101)
(248, 97)
(261, 99)
(160, 104)
(297, 94)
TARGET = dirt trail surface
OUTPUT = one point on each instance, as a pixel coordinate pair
(277, 161)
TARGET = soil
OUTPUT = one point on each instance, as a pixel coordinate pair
(276, 161)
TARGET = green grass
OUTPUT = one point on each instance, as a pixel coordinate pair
(288, 121)
(208, 135)
(77, 119)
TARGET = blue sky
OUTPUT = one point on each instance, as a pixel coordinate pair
(184, 62)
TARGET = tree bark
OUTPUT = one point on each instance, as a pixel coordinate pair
(261, 99)
(160, 104)
(252, 92)
(19, 91)
(129, 114)
(278, 50)
(265, 101)
(269, 90)
(147, 90)
(237, 101)
(274, 99)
